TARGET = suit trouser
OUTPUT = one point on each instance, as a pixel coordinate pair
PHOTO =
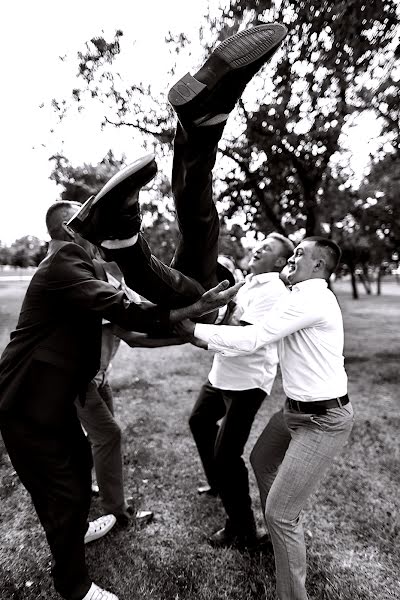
(193, 268)
(97, 417)
(221, 448)
(289, 460)
(54, 464)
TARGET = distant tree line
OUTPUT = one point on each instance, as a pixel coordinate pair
(26, 251)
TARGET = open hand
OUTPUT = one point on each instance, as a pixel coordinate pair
(218, 296)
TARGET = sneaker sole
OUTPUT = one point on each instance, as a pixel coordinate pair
(144, 167)
(234, 53)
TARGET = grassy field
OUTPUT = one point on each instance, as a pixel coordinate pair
(352, 524)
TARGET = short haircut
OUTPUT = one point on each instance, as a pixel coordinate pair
(58, 213)
(288, 246)
(330, 250)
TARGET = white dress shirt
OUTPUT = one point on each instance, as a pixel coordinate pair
(257, 370)
(308, 324)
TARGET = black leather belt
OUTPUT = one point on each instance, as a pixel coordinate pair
(319, 406)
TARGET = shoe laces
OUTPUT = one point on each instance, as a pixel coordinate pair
(99, 594)
(98, 524)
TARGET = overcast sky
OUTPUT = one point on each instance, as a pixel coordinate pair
(33, 36)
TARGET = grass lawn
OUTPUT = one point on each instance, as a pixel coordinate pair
(351, 524)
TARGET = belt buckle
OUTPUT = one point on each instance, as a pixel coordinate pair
(296, 405)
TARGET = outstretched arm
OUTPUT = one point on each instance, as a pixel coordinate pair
(209, 301)
(136, 339)
(287, 317)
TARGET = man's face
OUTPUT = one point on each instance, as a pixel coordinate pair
(267, 257)
(303, 265)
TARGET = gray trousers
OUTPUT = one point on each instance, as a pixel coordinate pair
(289, 460)
(97, 418)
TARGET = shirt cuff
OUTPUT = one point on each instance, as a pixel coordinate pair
(204, 332)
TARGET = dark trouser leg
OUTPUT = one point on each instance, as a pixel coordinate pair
(194, 159)
(207, 411)
(52, 457)
(104, 434)
(154, 280)
(232, 474)
(55, 469)
(196, 255)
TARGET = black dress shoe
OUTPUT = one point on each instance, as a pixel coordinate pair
(114, 212)
(131, 515)
(251, 542)
(223, 538)
(211, 94)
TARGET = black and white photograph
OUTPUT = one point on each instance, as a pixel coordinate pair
(200, 300)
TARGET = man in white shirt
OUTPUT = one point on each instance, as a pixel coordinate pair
(234, 391)
(300, 442)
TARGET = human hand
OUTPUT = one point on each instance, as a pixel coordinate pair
(185, 330)
(213, 299)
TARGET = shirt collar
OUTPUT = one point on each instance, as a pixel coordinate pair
(311, 284)
(261, 277)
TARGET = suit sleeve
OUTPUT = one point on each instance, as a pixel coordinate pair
(73, 281)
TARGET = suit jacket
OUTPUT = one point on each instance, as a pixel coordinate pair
(60, 321)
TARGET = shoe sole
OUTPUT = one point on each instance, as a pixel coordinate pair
(234, 53)
(144, 168)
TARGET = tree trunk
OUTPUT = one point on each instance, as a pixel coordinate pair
(378, 281)
(365, 279)
(353, 282)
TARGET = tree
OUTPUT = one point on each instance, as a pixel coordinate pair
(281, 166)
(27, 251)
(5, 254)
(282, 160)
(80, 182)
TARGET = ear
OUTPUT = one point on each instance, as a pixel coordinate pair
(280, 262)
(320, 265)
(70, 233)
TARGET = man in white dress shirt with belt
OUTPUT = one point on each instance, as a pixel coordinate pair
(300, 442)
(234, 392)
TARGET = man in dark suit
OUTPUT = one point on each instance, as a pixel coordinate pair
(51, 357)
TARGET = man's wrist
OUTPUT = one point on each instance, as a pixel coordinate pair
(179, 314)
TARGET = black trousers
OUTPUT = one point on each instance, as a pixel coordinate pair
(54, 464)
(194, 266)
(221, 448)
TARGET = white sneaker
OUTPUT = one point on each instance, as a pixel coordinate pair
(99, 527)
(97, 593)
